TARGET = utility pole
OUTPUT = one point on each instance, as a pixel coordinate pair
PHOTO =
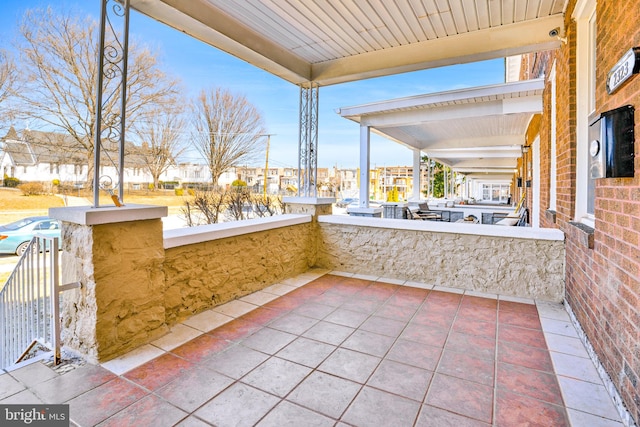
(266, 167)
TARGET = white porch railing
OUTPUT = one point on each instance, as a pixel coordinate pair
(29, 301)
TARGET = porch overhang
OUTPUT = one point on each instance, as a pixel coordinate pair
(336, 41)
(474, 131)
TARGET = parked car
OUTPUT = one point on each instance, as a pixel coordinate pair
(345, 202)
(15, 237)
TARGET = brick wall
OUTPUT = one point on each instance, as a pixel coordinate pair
(565, 127)
(603, 268)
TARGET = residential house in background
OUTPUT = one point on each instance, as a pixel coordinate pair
(43, 156)
(36, 156)
(48, 156)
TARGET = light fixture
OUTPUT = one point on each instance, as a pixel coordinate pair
(525, 149)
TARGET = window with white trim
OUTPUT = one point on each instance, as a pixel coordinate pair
(496, 192)
(553, 152)
(585, 16)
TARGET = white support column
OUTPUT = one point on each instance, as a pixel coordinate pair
(363, 208)
(365, 160)
(415, 197)
(534, 217)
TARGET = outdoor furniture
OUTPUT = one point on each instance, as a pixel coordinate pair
(468, 220)
(442, 215)
(455, 216)
(493, 217)
(520, 218)
(413, 213)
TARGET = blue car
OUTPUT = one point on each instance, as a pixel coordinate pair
(15, 237)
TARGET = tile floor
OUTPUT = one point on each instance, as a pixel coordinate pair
(341, 350)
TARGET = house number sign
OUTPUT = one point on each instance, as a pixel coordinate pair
(627, 66)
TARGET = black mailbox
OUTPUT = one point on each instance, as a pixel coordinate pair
(611, 144)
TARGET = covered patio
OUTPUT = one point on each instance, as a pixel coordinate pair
(396, 323)
(479, 132)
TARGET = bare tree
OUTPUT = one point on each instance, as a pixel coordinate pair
(228, 130)
(266, 206)
(162, 141)
(59, 63)
(205, 208)
(8, 80)
(238, 200)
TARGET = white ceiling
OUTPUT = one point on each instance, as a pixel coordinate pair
(475, 131)
(334, 41)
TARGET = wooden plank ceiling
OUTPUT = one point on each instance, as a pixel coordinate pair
(334, 41)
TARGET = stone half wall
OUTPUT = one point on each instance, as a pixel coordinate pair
(120, 303)
(446, 254)
(204, 274)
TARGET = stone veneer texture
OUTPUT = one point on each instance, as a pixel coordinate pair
(502, 265)
(202, 275)
(120, 304)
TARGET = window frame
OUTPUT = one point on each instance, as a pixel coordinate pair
(585, 17)
(553, 149)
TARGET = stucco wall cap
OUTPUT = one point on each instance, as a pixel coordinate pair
(309, 200)
(88, 215)
(203, 233)
(446, 227)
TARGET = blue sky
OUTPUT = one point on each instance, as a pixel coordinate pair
(201, 66)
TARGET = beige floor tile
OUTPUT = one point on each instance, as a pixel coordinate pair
(207, 320)
(178, 335)
(279, 289)
(516, 299)
(235, 308)
(259, 298)
(587, 397)
(133, 359)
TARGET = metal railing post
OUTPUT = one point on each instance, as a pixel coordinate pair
(26, 317)
(55, 299)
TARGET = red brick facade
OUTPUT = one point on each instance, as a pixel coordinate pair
(603, 264)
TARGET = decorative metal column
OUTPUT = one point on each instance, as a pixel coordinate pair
(113, 52)
(308, 141)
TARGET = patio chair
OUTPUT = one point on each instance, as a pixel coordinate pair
(424, 215)
(520, 219)
(413, 214)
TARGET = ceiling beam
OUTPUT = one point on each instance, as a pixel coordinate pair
(484, 171)
(477, 152)
(499, 107)
(511, 90)
(503, 163)
(426, 144)
(491, 43)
